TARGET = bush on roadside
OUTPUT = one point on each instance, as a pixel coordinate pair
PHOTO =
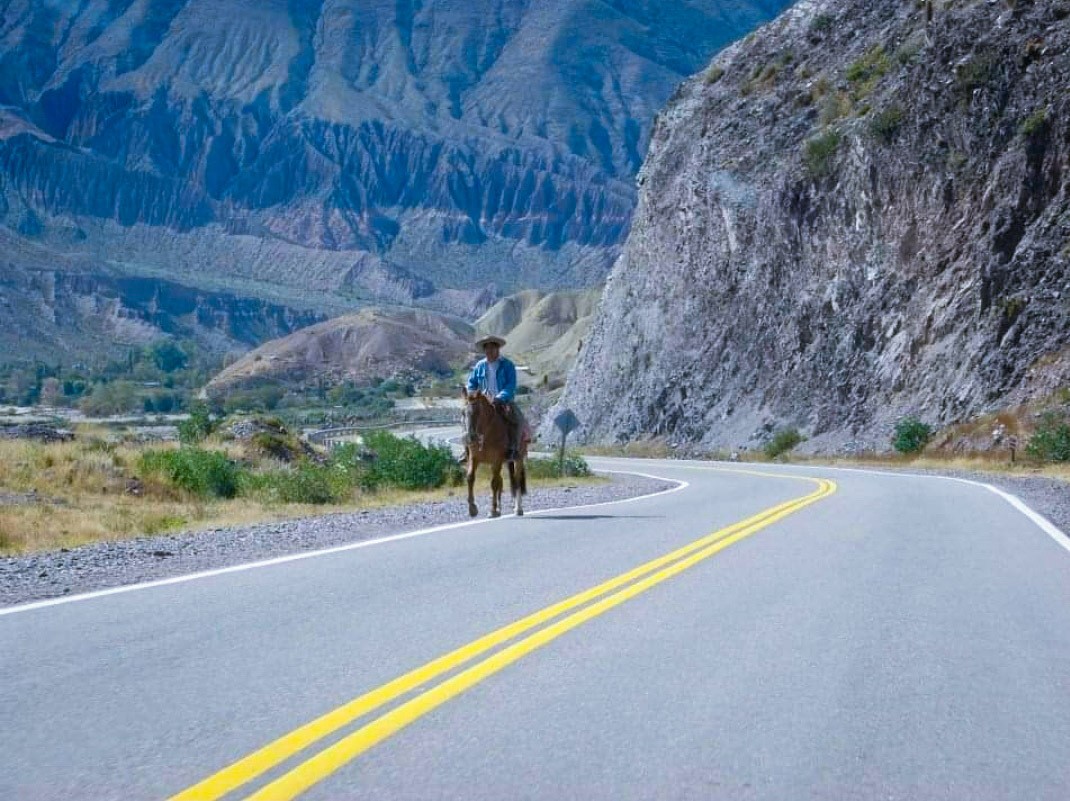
(783, 441)
(196, 428)
(357, 465)
(911, 435)
(407, 463)
(306, 483)
(205, 474)
(575, 466)
(1051, 442)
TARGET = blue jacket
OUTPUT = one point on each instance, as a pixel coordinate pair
(477, 380)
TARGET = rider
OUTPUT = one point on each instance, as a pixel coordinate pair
(495, 377)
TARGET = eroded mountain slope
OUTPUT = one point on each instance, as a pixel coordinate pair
(403, 152)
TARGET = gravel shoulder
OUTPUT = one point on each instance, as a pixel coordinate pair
(114, 564)
(1048, 496)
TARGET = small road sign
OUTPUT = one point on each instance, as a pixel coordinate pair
(567, 422)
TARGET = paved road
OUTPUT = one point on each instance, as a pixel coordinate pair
(898, 638)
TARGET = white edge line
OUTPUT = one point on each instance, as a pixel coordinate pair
(281, 560)
(1062, 539)
(1046, 525)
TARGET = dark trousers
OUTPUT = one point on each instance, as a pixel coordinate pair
(513, 419)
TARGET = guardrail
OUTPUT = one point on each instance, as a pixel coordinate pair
(333, 437)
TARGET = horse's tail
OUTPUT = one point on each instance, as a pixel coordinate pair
(518, 478)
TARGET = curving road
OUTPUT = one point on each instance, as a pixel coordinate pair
(786, 633)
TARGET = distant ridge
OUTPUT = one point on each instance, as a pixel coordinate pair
(440, 154)
(358, 347)
(544, 329)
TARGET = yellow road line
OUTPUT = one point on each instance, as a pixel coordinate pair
(323, 764)
(244, 770)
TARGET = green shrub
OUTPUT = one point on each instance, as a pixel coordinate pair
(783, 441)
(196, 428)
(357, 465)
(575, 466)
(409, 464)
(306, 483)
(277, 445)
(911, 435)
(205, 474)
(864, 73)
(1034, 124)
(1051, 442)
(822, 23)
(887, 122)
(819, 151)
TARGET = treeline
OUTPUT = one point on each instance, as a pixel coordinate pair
(167, 376)
(158, 379)
(372, 399)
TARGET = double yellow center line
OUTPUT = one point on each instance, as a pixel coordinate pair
(588, 604)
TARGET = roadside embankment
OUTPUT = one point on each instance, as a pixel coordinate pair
(116, 563)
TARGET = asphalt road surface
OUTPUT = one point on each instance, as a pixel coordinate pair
(789, 633)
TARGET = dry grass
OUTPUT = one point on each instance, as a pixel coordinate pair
(993, 462)
(639, 449)
(70, 494)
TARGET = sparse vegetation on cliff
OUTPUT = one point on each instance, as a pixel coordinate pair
(819, 152)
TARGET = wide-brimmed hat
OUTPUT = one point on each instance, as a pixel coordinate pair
(489, 340)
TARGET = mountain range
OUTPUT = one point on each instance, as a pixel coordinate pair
(295, 160)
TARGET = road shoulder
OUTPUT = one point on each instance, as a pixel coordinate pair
(106, 565)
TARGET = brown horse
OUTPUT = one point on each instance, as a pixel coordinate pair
(487, 440)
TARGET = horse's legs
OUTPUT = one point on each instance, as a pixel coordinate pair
(496, 491)
(519, 485)
(473, 466)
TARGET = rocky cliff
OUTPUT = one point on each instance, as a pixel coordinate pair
(859, 212)
(431, 152)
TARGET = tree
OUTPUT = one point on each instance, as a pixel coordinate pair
(115, 397)
(167, 356)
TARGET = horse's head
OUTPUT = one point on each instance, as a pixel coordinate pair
(476, 410)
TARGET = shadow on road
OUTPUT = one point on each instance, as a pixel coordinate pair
(594, 517)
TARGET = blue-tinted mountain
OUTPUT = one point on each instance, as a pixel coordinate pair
(328, 152)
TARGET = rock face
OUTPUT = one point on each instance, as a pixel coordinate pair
(417, 152)
(857, 213)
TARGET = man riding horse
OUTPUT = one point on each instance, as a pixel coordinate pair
(495, 377)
